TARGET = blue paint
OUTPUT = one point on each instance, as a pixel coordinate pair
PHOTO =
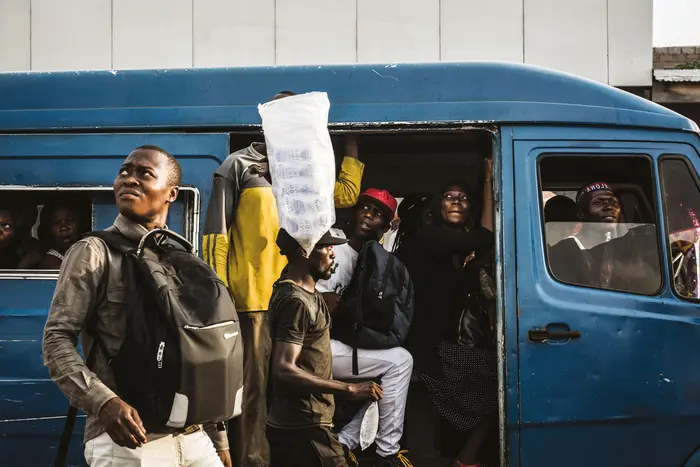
(506, 93)
(603, 399)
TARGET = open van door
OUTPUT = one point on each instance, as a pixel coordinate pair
(38, 167)
(609, 372)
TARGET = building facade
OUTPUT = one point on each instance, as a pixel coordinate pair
(606, 40)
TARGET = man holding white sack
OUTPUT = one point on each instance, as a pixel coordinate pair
(239, 244)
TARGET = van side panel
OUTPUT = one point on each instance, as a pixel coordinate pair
(626, 392)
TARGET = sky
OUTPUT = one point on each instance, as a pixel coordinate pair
(676, 22)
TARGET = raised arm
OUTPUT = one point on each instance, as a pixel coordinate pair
(487, 209)
(347, 186)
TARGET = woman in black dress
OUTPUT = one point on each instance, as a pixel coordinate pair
(451, 337)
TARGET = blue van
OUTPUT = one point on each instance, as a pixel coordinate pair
(600, 372)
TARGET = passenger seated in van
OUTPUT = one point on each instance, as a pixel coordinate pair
(599, 212)
(61, 223)
(17, 247)
(560, 216)
(372, 217)
(601, 255)
(9, 254)
(460, 374)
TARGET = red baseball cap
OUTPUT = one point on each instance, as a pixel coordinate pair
(383, 200)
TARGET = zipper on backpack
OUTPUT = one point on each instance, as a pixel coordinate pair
(211, 326)
(159, 356)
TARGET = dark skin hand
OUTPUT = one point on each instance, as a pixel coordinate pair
(285, 371)
(123, 424)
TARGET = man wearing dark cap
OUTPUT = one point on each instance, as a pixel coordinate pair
(599, 210)
(302, 404)
(372, 218)
(571, 259)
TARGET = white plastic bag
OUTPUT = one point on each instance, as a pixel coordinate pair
(302, 164)
(370, 425)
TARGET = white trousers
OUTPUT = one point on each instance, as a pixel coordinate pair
(193, 450)
(394, 366)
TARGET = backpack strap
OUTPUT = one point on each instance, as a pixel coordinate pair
(359, 319)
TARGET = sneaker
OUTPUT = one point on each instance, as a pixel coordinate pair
(350, 457)
(399, 460)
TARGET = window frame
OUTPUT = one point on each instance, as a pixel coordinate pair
(192, 219)
(657, 212)
(667, 231)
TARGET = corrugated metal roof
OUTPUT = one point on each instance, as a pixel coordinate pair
(677, 76)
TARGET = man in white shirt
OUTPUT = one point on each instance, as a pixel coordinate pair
(372, 219)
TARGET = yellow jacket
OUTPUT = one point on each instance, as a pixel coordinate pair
(242, 224)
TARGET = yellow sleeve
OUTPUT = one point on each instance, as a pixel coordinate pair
(347, 187)
(215, 252)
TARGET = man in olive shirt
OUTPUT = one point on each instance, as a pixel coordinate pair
(302, 408)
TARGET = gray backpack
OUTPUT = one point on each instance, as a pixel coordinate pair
(181, 362)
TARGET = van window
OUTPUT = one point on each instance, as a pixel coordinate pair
(39, 224)
(682, 206)
(600, 222)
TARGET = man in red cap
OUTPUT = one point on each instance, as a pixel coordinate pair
(371, 220)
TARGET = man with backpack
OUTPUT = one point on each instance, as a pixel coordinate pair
(302, 404)
(385, 360)
(149, 401)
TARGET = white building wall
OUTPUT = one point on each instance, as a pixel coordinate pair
(606, 40)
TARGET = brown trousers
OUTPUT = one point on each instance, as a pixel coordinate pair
(249, 447)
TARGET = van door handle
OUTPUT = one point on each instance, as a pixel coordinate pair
(553, 332)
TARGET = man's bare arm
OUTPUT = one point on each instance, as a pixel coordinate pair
(286, 372)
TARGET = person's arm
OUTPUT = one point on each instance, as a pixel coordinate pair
(347, 186)
(289, 327)
(219, 218)
(286, 372)
(219, 439)
(487, 209)
(73, 301)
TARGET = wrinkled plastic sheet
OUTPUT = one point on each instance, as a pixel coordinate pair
(302, 164)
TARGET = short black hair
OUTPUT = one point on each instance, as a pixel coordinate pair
(174, 167)
(285, 93)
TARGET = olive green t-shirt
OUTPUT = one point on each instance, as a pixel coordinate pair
(299, 317)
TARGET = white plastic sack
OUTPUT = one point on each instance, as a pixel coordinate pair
(370, 425)
(302, 164)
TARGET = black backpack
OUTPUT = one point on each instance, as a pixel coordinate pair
(181, 362)
(376, 309)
